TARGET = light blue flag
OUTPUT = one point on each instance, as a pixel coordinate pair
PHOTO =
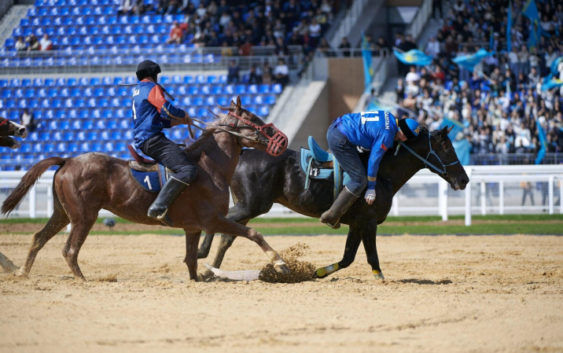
(543, 143)
(509, 28)
(413, 57)
(457, 127)
(531, 11)
(462, 149)
(554, 65)
(550, 82)
(533, 38)
(368, 64)
(469, 62)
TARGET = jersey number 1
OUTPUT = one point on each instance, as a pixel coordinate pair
(369, 117)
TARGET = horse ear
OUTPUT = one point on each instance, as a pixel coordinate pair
(238, 102)
(446, 130)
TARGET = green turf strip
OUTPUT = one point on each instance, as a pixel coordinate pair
(522, 224)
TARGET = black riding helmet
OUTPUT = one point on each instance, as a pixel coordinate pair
(147, 68)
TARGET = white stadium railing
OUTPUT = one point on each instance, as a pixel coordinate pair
(491, 190)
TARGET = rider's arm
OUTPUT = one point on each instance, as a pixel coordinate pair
(170, 114)
(378, 149)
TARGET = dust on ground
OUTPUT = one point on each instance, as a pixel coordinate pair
(441, 294)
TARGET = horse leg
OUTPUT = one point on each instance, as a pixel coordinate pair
(192, 239)
(224, 225)
(352, 243)
(239, 213)
(57, 222)
(369, 235)
(78, 233)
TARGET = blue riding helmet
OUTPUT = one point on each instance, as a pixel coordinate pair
(409, 127)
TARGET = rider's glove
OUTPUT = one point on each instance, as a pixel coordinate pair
(370, 196)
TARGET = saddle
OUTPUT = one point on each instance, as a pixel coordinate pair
(147, 172)
(318, 164)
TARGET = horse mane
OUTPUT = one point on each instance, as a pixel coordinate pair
(198, 145)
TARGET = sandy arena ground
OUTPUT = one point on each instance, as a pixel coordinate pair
(442, 294)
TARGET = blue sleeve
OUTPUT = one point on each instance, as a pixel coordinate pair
(378, 149)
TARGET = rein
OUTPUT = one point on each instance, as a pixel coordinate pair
(431, 152)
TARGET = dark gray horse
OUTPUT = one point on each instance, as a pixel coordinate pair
(260, 180)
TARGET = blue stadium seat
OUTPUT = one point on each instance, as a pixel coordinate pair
(81, 135)
(76, 125)
(96, 147)
(193, 90)
(84, 147)
(115, 134)
(197, 100)
(210, 100)
(59, 114)
(68, 136)
(264, 88)
(253, 89)
(124, 124)
(128, 135)
(100, 124)
(246, 100)
(240, 89)
(223, 101)
(107, 147)
(61, 147)
(92, 136)
(229, 89)
(205, 89)
(72, 147)
(258, 99)
(57, 136)
(277, 88)
(105, 135)
(270, 99)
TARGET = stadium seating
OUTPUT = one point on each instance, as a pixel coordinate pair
(78, 115)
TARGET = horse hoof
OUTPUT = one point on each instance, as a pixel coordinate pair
(378, 275)
(206, 276)
(21, 273)
(281, 268)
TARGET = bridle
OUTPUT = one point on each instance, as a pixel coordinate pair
(442, 170)
(277, 142)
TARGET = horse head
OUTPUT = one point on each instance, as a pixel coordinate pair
(10, 128)
(436, 151)
(252, 131)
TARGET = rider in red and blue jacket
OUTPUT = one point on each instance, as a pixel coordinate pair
(152, 113)
(375, 131)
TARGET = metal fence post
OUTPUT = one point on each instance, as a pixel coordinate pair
(550, 199)
(32, 201)
(468, 199)
(443, 199)
(501, 197)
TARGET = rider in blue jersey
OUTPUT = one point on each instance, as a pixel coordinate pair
(375, 131)
(151, 113)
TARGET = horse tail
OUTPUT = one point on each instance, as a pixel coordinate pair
(27, 182)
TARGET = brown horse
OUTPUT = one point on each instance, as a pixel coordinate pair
(9, 128)
(87, 183)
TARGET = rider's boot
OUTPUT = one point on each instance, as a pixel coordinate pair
(339, 207)
(167, 195)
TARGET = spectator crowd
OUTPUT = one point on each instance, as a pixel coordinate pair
(501, 102)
